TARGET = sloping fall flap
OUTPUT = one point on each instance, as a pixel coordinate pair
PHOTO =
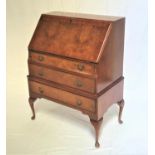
(77, 38)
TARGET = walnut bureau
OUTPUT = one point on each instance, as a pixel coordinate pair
(77, 60)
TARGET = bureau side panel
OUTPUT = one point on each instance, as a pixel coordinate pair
(110, 66)
(113, 95)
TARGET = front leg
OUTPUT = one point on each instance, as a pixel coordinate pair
(96, 125)
(31, 102)
(121, 106)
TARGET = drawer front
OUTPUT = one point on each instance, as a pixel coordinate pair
(63, 96)
(74, 81)
(64, 64)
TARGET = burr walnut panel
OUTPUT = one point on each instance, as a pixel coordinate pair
(64, 96)
(60, 77)
(64, 64)
(70, 37)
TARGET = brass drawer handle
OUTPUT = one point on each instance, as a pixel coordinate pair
(80, 67)
(79, 83)
(40, 58)
(78, 102)
(41, 90)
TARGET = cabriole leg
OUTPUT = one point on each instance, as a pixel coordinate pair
(121, 106)
(96, 125)
(31, 102)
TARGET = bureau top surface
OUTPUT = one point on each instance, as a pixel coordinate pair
(78, 36)
(85, 16)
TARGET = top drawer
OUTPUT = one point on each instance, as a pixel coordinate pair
(65, 64)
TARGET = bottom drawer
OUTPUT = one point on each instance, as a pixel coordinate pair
(63, 96)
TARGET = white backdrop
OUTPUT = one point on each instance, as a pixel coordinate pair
(60, 130)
